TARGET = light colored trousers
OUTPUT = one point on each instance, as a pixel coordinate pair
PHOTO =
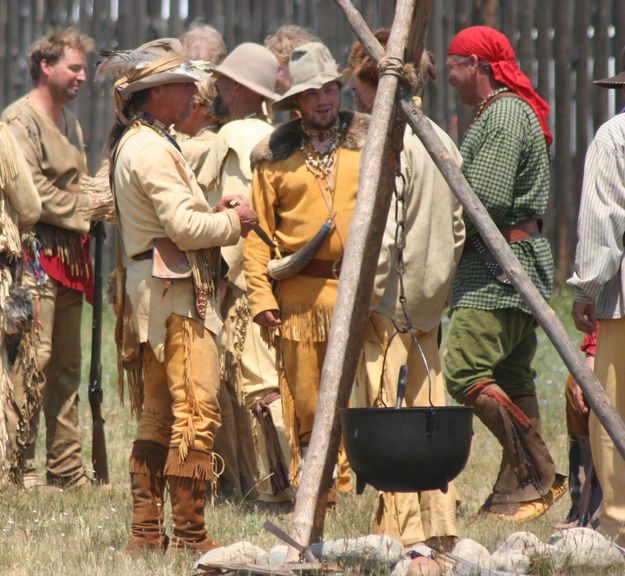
(180, 407)
(610, 467)
(408, 517)
(58, 312)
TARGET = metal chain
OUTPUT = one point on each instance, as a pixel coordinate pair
(401, 209)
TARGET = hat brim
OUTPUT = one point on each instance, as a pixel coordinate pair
(288, 102)
(234, 75)
(616, 81)
(179, 75)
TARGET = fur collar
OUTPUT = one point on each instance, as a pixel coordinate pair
(286, 139)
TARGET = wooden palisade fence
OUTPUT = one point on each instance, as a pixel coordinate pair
(561, 45)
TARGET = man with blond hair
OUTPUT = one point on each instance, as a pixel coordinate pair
(282, 43)
(203, 42)
(57, 267)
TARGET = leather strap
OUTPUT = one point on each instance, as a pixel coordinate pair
(512, 234)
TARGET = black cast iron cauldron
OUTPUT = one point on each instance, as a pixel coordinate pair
(407, 449)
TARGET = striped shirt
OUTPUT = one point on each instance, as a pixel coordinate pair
(506, 163)
(601, 225)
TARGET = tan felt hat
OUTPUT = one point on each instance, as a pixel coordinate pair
(310, 67)
(252, 66)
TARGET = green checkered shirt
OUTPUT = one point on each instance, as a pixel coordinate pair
(506, 163)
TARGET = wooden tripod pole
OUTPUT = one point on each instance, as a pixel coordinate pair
(499, 248)
(355, 287)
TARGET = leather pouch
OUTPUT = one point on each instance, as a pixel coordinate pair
(169, 262)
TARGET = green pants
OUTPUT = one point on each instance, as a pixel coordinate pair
(490, 345)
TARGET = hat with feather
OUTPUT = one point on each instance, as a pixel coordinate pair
(155, 63)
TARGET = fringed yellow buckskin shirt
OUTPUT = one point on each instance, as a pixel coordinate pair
(157, 196)
(292, 209)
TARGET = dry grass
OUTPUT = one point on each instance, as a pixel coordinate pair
(78, 533)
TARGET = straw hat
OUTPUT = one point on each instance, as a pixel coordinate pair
(310, 67)
(252, 66)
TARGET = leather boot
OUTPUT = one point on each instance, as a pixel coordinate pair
(188, 498)
(147, 462)
(527, 471)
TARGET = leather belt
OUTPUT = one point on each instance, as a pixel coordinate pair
(512, 234)
(318, 268)
(147, 255)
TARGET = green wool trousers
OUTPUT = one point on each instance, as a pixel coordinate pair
(490, 345)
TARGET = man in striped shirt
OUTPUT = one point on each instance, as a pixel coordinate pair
(492, 334)
(600, 298)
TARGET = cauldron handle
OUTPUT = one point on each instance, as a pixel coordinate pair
(401, 385)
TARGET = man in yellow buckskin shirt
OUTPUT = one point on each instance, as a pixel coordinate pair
(171, 239)
(434, 237)
(57, 266)
(306, 174)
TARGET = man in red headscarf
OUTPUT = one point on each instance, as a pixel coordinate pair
(492, 334)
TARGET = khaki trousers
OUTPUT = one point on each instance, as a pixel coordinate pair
(610, 467)
(407, 517)
(57, 336)
(180, 407)
(302, 363)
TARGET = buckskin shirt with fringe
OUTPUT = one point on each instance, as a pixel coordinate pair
(291, 208)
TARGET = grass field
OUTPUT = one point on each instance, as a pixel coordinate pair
(82, 533)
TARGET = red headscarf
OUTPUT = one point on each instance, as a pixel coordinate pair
(493, 47)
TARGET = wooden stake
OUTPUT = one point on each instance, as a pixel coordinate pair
(499, 248)
(355, 286)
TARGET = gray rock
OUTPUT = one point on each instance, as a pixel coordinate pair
(275, 557)
(473, 552)
(239, 552)
(510, 561)
(585, 547)
(520, 549)
(368, 552)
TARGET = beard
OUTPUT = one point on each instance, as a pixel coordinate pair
(219, 109)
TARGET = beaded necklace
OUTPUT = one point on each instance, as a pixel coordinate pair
(487, 100)
(322, 165)
(155, 124)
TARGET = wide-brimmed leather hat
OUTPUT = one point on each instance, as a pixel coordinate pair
(616, 81)
(252, 66)
(310, 67)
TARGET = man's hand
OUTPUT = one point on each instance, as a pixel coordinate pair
(584, 316)
(578, 394)
(269, 318)
(246, 214)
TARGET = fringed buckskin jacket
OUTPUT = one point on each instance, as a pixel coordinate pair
(291, 208)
